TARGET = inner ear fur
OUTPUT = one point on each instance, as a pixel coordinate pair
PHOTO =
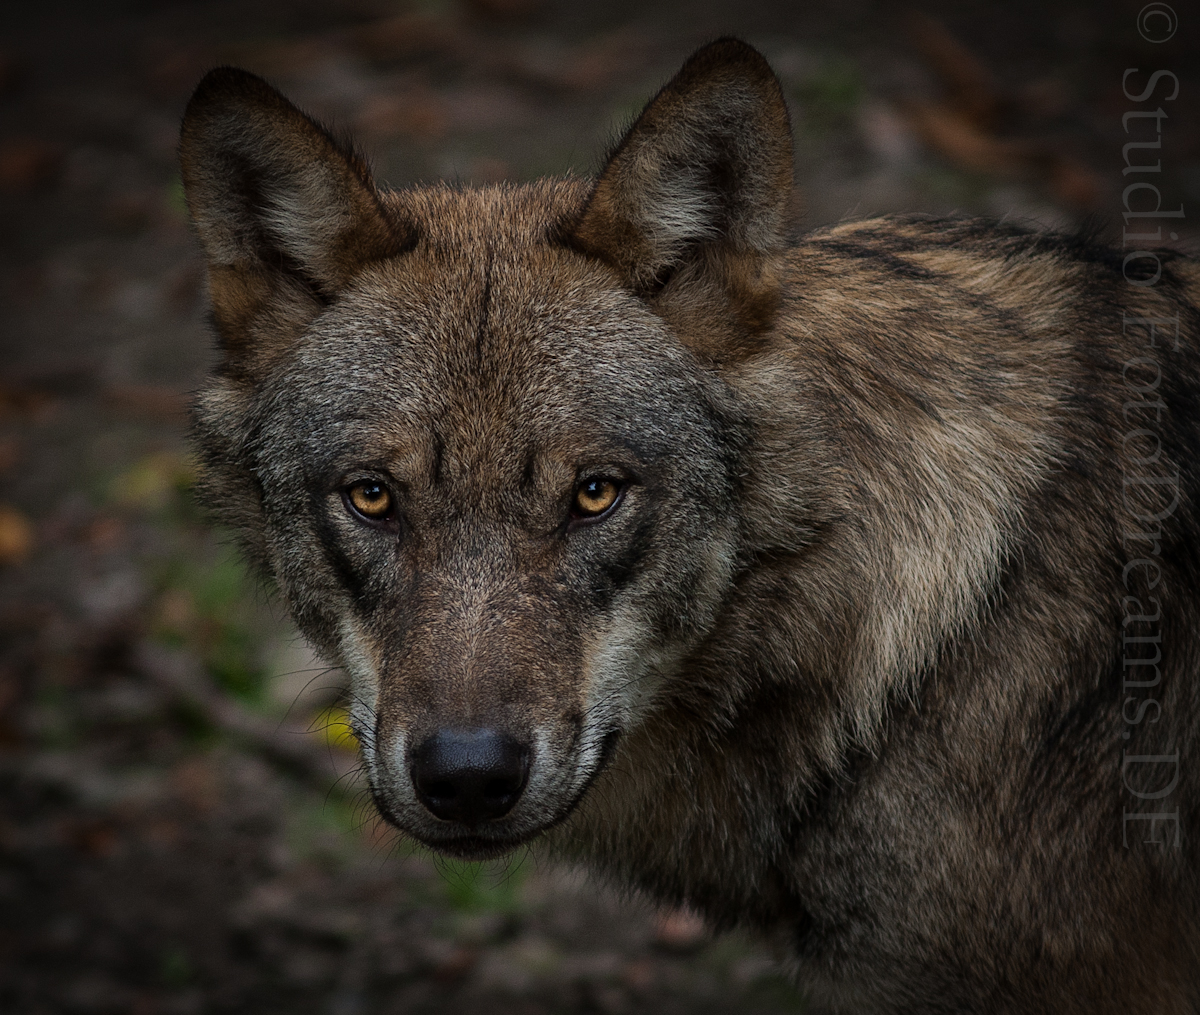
(698, 192)
(287, 216)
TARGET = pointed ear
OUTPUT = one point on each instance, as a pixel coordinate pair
(286, 215)
(706, 167)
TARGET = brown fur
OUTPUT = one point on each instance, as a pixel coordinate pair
(846, 662)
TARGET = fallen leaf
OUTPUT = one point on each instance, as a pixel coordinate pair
(334, 725)
(971, 88)
(956, 137)
(960, 127)
(16, 536)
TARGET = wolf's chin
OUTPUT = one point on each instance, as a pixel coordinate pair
(462, 847)
(474, 847)
(476, 850)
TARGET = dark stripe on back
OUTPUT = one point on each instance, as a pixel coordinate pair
(885, 259)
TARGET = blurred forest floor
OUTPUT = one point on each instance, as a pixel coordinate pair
(181, 826)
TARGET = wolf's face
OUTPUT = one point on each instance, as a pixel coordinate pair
(490, 479)
(507, 479)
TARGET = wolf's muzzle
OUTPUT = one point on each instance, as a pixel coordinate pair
(470, 776)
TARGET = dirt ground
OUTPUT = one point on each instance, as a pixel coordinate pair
(182, 828)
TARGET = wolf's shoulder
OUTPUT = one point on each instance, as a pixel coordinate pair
(994, 265)
(970, 236)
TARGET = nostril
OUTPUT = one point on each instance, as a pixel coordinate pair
(500, 787)
(440, 788)
(470, 776)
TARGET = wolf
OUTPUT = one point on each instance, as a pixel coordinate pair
(842, 585)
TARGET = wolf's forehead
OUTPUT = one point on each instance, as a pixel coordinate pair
(459, 217)
(468, 326)
(449, 388)
(487, 359)
(479, 330)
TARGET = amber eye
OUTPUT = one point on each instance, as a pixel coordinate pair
(595, 496)
(370, 499)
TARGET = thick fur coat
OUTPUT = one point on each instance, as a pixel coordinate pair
(844, 587)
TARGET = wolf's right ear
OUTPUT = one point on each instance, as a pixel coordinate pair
(286, 215)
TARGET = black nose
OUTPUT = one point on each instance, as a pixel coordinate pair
(470, 776)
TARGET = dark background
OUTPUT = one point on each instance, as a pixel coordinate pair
(181, 827)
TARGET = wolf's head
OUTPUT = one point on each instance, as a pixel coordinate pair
(481, 438)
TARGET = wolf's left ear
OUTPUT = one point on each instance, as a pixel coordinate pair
(287, 216)
(706, 167)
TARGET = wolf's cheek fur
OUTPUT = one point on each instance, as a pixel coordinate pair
(362, 667)
(645, 638)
